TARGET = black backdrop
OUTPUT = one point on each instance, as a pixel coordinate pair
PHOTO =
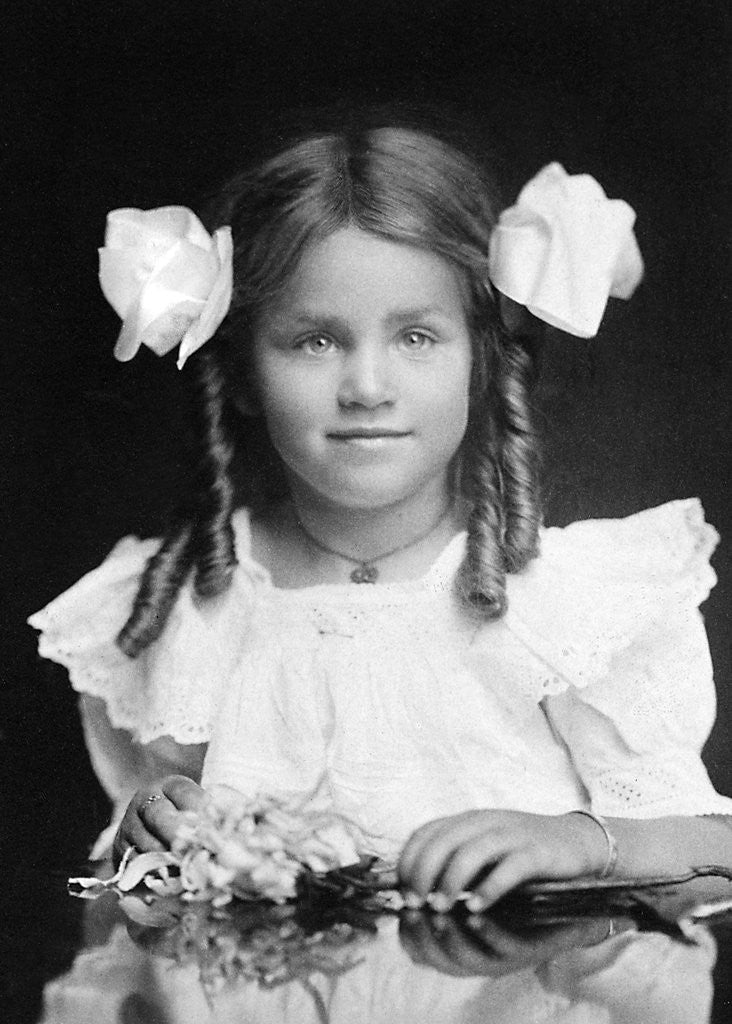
(142, 104)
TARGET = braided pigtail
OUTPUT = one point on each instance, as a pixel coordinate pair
(203, 538)
(500, 478)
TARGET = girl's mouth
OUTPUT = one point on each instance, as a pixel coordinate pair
(367, 434)
(368, 439)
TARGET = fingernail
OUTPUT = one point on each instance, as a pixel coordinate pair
(439, 902)
(476, 904)
(412, 900)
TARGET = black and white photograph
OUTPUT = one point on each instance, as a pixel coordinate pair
(366, 520)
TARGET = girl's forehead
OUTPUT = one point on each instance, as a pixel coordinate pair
(352, 267)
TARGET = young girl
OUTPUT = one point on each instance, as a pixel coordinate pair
(384, 625)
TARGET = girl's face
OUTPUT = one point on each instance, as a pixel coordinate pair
(363, 371)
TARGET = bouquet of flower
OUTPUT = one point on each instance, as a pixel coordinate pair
(261, 848)
(260, 888)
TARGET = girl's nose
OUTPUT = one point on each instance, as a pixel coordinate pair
(367, 379)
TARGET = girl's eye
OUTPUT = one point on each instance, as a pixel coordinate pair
(417, 342)
(315, 344)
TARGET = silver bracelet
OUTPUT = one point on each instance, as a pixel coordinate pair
(612, 843)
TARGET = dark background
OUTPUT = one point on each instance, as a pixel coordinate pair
(144, 104)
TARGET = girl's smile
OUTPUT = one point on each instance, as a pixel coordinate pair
(363, 367)
(368, 440)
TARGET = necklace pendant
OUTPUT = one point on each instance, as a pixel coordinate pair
(365, 573)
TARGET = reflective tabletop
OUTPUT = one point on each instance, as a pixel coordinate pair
(638, 953)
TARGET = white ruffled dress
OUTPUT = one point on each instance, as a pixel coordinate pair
(391, 704)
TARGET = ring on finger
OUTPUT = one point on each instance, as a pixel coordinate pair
(151, 799)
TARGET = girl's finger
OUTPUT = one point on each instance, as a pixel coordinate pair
(424, 860)
(132, 832)
(160, 818)
(417, 842)
(137, 834)
(471, 859)
(530, 862)
(182, 792)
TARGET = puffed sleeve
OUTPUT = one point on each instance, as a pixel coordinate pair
(133, 709)
(631, 689)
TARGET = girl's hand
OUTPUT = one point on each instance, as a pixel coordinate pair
(154, 814)
(491, 852)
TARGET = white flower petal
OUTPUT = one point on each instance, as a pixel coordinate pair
(628, 270)
(218, 302)
(130, 337)
(156, 300)
(131, 228)
(143, 864)
(152, 915)
(119, 279)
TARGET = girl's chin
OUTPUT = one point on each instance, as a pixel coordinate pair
(370, 491)
(371, 501)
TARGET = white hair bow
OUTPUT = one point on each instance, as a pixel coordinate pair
(166, 277)
(563, 249)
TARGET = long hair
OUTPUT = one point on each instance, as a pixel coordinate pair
(403, 185)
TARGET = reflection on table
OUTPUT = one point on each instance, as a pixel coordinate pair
(565, 956)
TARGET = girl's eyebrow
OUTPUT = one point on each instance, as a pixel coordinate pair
(313, 318)
(417, 313)
(287, 322)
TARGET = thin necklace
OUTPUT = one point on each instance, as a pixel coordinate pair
(366, 571)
